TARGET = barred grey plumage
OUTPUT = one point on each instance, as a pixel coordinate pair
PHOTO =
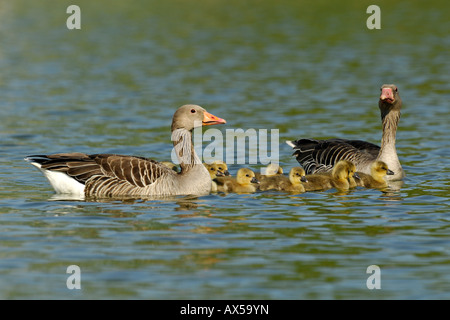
(317, 156)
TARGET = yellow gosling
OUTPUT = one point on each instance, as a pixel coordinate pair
(342, 177)
(376, 179)
(221, 167)
(211, 170)
(317, 182)
(213, 174)
(352, 174)
(245, 182)
(294, 184)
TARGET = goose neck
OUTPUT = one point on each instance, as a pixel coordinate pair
(388, 151)
(390, 124)
(184, 150)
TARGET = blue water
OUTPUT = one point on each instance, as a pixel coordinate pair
(309, 70)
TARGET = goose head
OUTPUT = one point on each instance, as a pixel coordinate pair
(245, 177)
(297, 175)
(389, 98)
(191, 116)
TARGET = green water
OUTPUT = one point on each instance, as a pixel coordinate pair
(307, 69)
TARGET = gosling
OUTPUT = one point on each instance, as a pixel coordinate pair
(245, 182)
(294, 183)
(352, 174)
(378, 172)
(213, 174)
(342, 177)
(270, 177)
(221, 167)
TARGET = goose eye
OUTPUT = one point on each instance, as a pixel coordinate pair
(247, 175)
(193, 111)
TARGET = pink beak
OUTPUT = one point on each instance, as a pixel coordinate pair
(387, 94)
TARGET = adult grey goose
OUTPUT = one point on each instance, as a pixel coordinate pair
(110, 175)
(317, 156)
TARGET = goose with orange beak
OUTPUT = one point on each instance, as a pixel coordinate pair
(110, 175)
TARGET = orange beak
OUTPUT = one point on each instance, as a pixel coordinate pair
(210, 119)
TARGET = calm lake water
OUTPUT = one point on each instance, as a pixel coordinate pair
(307, 69)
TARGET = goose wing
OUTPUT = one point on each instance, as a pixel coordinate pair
(318, 156)
(101, 173)
(365, 147)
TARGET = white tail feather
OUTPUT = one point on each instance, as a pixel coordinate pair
(290, 143)
(61, 182)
